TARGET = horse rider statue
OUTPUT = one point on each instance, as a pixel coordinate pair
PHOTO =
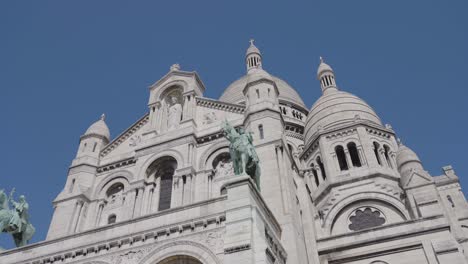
(243, 154)
(16, 221)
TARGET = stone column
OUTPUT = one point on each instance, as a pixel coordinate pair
(99, 214)
(77, 220)
(156, 193)
(319, 174)
(130, 203)
(138, 202)
(145, 200)
(348, 159)
(187, 190)
(176, 191)
(383, 159)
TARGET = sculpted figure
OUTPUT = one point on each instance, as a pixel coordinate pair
(243, 154)
(15, 222)
(174, 114)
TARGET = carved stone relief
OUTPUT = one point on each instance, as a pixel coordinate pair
(365, 217)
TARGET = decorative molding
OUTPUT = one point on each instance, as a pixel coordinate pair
(235, 249)
(116, 165)
(125, 135)
(214, 104)
(378, 133)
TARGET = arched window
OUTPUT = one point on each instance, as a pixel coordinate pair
(387, 155)
(353, 152)
(260, 131)
(340, 154)
(114, 189)
(314, 172)
(376, 152)
(223, 191)
(322, 168)
(162, 170)
(111, 219)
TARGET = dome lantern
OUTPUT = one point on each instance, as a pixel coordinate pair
(253, 57)
(326, 76)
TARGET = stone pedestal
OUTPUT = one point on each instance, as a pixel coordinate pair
(251, 230)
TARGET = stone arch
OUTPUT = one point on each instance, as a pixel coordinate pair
(124, 177)
(210, 153)
(163, 91)
(336, 210)
(169, 153)
(181, 248)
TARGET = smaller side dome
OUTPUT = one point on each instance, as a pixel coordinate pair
(407, 159)
(99, 128)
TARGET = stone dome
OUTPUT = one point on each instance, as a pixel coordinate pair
(99, 128)
(406, 157)
(233, 94)
(335, 109)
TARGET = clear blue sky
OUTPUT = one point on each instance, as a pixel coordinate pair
(63, 63)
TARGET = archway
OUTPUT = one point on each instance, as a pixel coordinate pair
(180, 259)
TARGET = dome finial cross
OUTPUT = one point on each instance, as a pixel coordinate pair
(103, 117)
(321, 59)
(252, 42)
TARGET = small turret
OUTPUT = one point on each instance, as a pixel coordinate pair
(95, 137)
(326, 76)
(253, 57)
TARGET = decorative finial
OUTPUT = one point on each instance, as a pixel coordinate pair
(175, 67)
(103, 117)
(321, 59)
(252, 42)
(399, 142)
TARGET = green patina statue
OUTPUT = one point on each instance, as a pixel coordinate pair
(15, 221)
(243, 154)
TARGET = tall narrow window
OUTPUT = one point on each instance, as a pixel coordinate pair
(94, 147)
(260, 131)
(316, 178)
(112, 219)
(322, 168)
(166, 191)
(258, 93)
(376, 152)
(387, 155)
(72, 185)
(84, 147)
(340, 154)
(353, 152)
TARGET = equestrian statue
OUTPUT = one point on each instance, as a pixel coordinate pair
(15, 221)
(243, 154)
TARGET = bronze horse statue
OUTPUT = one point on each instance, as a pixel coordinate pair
(243, 154)
(15, 221)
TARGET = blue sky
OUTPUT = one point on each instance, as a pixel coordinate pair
(63, 63)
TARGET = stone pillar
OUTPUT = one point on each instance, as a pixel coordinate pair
(130, 203)
(319, 174)
(156, 193)
(348, 159)
(187, 196)
(145, 200)
(138, 202)
(77, 216)
(176, 191)
(383, 159)
(99, 214)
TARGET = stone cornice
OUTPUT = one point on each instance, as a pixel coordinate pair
(179, 73)
(124, 135)
(215, 104)
(115, 165)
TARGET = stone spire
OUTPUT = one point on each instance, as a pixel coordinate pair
(253, 57)
(326, 76)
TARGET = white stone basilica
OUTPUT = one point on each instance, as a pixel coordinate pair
(336, 185)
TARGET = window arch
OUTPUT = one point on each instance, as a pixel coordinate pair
(340, 154)
(164, 169)
(353, 152)
(112, 219)
(322, 168)
(314, 172)
(114, 189)
(376, 152)
(387, 155)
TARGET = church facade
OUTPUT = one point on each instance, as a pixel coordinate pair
(336, 185)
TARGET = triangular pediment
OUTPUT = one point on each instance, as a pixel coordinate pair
(127, 140)
(418, 178)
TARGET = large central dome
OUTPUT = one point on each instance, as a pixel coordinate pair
(233, 94)
(253, 59)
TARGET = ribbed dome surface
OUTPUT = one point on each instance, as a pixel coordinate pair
(99, 128)
(233, 94)
(335, 109)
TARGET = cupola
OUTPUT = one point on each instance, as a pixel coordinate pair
(326, 76)
(253, 57)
